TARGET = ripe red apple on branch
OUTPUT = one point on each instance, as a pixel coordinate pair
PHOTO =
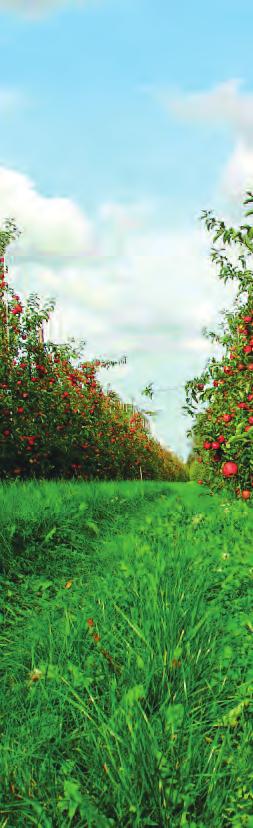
(246, 494)
(230, 469)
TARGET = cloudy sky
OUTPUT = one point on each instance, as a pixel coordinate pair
(121, 120)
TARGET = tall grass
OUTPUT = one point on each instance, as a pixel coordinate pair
(126, 667)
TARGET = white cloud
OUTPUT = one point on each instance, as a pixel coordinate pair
(196, 344)
(50, 226)
(152, 284)
(237, 176)
(224, 104)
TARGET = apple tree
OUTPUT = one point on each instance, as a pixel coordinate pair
(221, 399)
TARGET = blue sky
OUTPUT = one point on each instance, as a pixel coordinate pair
(84, 72)
(121, 120)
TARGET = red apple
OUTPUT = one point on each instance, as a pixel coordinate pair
(229, 469)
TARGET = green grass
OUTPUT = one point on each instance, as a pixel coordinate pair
(151, 725)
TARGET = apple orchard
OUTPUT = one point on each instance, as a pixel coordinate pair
(55, 420)
(222, 433)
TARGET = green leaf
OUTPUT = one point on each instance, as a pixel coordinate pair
(92, 526)
(42, 585)
(250, 247)
(177, 652)
(49, 535)
(126, 569)
(227, 655)
(230, 719)
(49, 671)
(79, 679)
(134, 694)
(217, 235)
(174, 716)
(237, 437)
(72, 799)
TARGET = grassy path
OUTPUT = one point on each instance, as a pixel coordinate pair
(126, 657)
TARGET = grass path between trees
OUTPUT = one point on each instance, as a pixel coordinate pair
(126, 658)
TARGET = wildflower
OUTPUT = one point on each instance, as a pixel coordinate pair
(176, 662)
(35, 675)
(96, 637)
